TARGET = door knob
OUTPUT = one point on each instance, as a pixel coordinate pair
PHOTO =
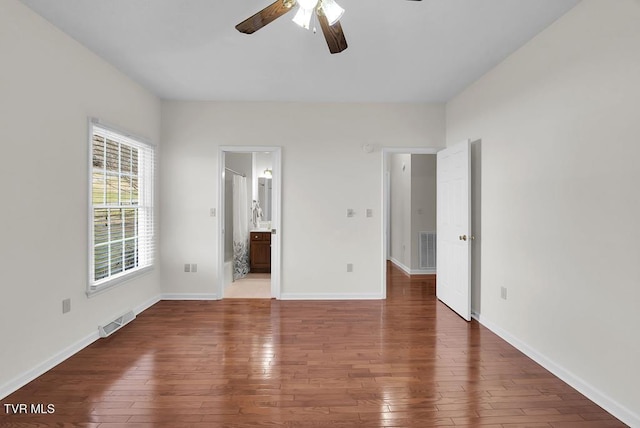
(463, 237)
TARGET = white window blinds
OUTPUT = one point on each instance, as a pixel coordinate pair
(122, 239)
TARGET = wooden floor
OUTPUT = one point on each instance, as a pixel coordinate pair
(404, 362)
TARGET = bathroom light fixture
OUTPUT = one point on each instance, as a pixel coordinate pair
(267, 173)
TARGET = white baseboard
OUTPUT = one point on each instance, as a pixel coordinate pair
(410, 271)
(26, 377)
(189, 296)
(146, 305)
(422, 272)
(331, 296)
(401, 266)
(592, 393)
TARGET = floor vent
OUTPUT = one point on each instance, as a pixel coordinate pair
(116, 324)
(427, 250)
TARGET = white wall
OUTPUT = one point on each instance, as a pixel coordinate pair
(400, 169)
(50, 85)
(560, 150)
(423, 202)
(324, 170)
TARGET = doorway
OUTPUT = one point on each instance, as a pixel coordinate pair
(474, 240)
(387, 154)
(249, 255)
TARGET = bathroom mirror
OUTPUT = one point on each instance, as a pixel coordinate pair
(264, 197)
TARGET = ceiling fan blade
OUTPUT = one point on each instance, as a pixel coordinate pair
(333, 35)
(265, 16)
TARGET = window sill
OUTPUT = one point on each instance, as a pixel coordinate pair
(112, 283)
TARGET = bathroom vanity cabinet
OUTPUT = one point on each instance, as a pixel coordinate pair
(260, 252)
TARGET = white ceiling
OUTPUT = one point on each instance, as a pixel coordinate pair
(399, 51)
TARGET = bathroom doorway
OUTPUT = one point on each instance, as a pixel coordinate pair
(249, 222)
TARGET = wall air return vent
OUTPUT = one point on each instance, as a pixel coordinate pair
(427, 250)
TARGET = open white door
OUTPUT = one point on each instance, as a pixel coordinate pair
(453, 286)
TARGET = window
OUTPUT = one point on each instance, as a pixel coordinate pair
(121, 207)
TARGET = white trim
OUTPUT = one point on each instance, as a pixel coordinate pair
(386, 202)
(219, 288)
(190, 296)
(621, 412)
(592, 393)
(422, 272)
(331, 296)
(26, 377)
(120, 279)
(400, 265)
(145, 237)
(146, 305)
(410, 271)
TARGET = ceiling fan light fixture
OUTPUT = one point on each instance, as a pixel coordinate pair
(303, 17)
(332, 11)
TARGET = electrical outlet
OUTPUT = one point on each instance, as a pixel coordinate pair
(212, 212)
(194, 268)
(351, 212)
(187, 267)
(349, 267)
(369, 212)
(503, 293)
(66, 306)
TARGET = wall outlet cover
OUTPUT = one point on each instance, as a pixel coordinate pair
(66, 306)
(187, 267)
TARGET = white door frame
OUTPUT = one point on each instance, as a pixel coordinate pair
(276, 214)
(386, 200)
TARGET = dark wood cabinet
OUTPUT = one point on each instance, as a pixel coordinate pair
(260, 252)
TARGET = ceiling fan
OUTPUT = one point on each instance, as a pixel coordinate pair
(328, 13)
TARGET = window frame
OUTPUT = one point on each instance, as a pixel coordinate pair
(146, 206)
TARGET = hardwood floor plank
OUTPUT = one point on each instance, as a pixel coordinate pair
(404, 362)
